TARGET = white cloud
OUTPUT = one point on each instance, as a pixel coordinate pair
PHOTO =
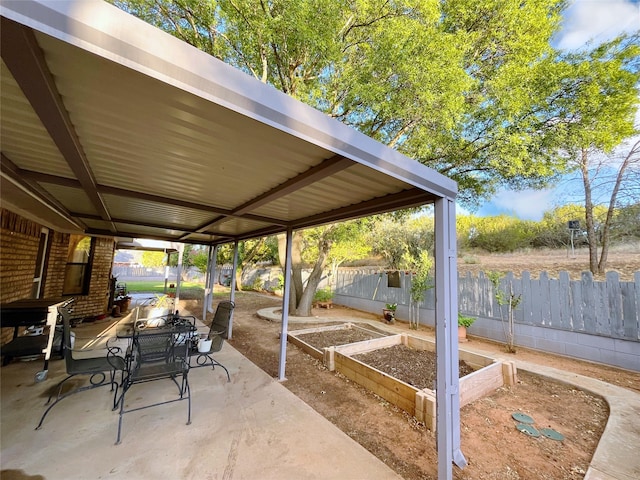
(597, 20)
(526, 204)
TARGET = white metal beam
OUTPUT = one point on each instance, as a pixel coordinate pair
(232, 285)
(447, 381)
(285, 307)
(178, 275)
(209, 281)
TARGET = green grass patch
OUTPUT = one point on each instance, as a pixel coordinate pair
(188, 290)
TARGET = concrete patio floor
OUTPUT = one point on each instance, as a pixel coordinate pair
(251, 427)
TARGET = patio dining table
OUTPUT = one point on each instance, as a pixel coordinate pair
(181, 324)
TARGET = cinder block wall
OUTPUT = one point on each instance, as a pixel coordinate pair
(595, 348)
(19, 240)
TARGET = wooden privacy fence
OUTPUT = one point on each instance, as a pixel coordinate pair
(608, 308)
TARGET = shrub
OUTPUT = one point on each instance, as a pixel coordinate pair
(323, 295)
(470, 260)
(464, 321)
(502, 234)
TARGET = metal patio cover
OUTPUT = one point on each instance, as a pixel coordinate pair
(113, 127)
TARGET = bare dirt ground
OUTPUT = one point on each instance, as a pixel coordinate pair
(491, 444)
(494, 448)
(624, 261)
(490, 441)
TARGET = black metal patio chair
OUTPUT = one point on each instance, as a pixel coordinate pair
(218, 333)
(95, 368)
(157, 354)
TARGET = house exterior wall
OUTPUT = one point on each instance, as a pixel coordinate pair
(96, 302)
(54, 269)
(19, 240)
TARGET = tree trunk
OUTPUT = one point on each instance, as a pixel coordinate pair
(238, 275)
(606, 229)
(295, 287)
(306, 301)
(588, 213)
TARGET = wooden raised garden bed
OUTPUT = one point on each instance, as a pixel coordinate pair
(347, 358)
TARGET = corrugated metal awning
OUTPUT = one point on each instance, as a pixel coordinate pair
(113, 127)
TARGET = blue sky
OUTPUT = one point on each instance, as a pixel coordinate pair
(585, 20)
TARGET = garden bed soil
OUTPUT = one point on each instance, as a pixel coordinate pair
(334, 338)
(490, 442)
(414, 367)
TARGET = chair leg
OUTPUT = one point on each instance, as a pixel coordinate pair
(189, 402)
(121, 401)
(60, 398)
(59, 387)
(214, 362)
(115, 395)
(39, 426)
(204, 358)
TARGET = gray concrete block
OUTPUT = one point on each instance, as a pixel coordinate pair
(525, 341)
(551, 346)
(584, 352)
(489, 333)
(559, 335)
(626, 346)
(595, 341)
(427, 316)
(527, 330)
(622, 360)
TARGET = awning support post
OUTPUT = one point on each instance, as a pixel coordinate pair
(285, 307)
(447, 381)
(178, 275)
(210, 280)
(232, 284)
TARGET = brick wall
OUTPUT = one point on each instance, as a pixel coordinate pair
(54, 270)
(96, 302)
(19, 240)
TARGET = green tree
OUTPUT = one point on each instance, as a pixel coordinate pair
(596, 113)
(626, 226)
(503, 291)
(389, 240)
(311, 248)
(249, 252)
(462, 86)
(465, 230)
(350, 243)
(286, 43)
(421, 281)
(196, 256)
(472, 89)
(502, 233)
(153, 259)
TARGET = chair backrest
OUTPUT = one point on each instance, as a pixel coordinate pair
(165, 345)
(67, 351)
(153, 347)
(222, 319)
(166, 348)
